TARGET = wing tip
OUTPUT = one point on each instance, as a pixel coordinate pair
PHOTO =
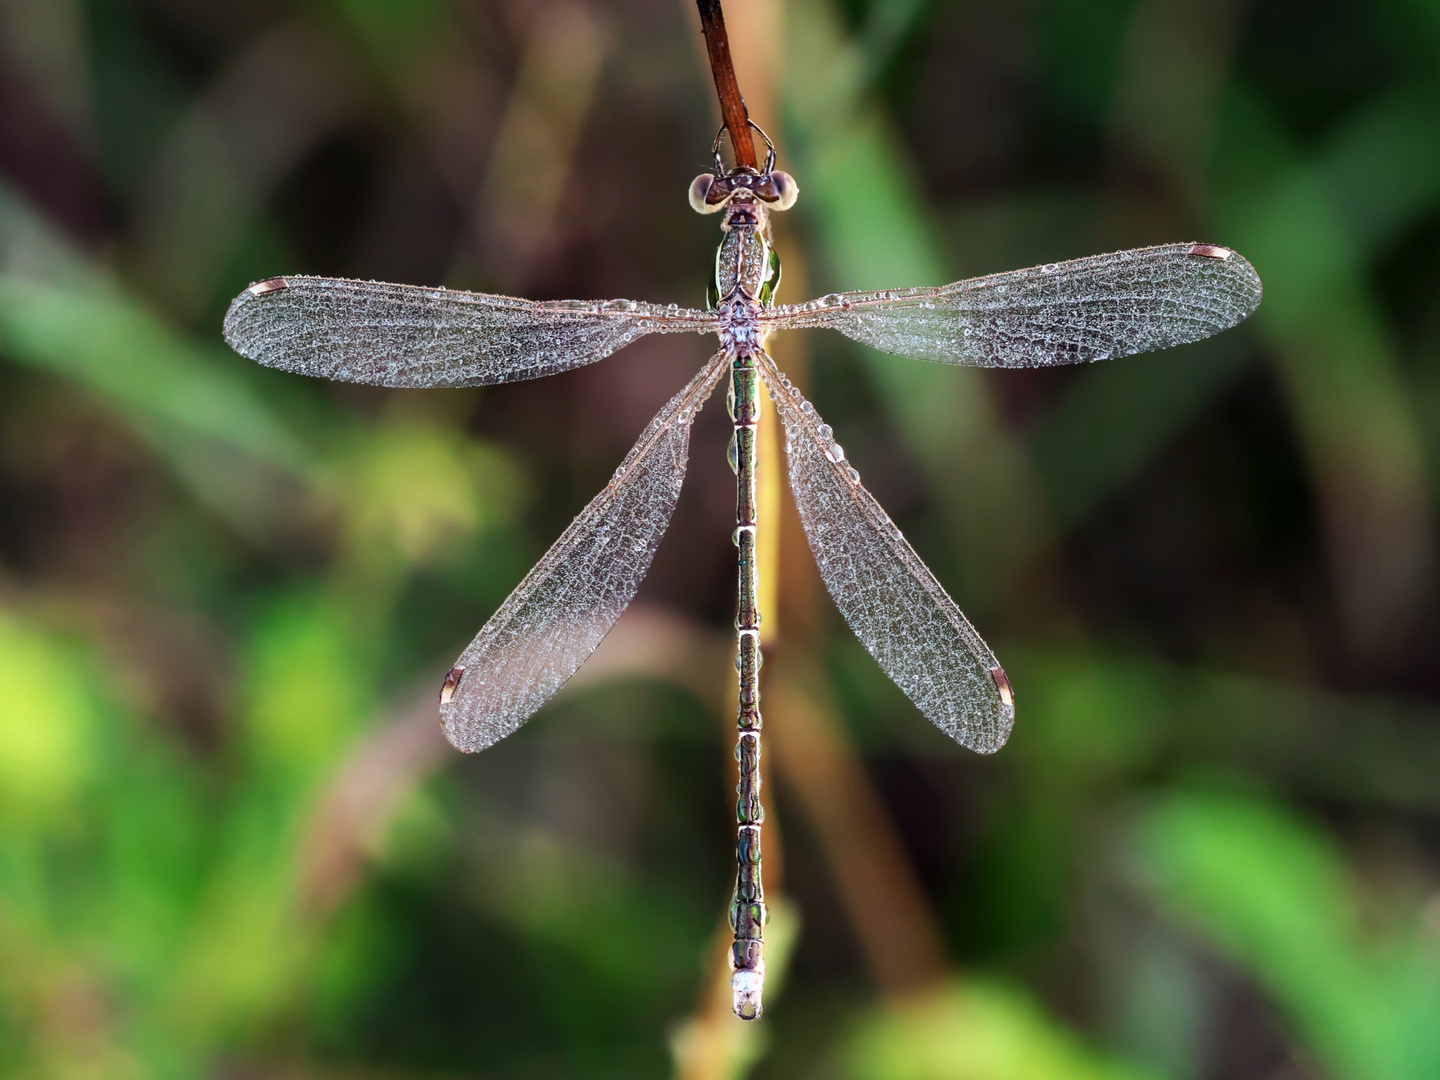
(233, 328)
(468, 738)
(989, 734)
(1238, 266)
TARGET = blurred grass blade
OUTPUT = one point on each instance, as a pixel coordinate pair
(1382, 171)
(129, 358)
(1227, 155)
(1094, 719)
(981, 478)
(279, 99)
(1119, 415)
(61, 312)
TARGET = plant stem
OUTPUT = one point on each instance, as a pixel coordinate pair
(732, 106)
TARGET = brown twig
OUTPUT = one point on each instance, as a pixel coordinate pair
(732, 106)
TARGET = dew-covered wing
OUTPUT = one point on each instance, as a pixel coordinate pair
(558, 615)
(407, 335)
(891, 600)
(1061, 313)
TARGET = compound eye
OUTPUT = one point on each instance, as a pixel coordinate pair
(700, 190)
(786, 190)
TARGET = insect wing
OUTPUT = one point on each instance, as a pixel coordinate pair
(891, 600)
(557, 616)
(1088, 309)
(406, 335)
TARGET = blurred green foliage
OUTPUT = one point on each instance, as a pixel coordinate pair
(231, 840)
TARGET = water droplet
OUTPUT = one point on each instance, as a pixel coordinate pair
(807, 408)
(730, 398)
(853, 473)
(732, 453)
(824, 431)
(747, 990)
(834, 453)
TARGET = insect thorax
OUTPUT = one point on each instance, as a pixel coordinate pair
(745, 257)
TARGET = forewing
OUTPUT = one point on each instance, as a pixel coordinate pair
(891, 600)
(406, 335)
(1062, 313)
(558, 615)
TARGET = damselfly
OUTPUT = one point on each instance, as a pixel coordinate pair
(1062, 313)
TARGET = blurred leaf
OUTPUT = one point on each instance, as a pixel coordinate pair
(1272, 893)
(251, 945)
(560, 893)
(307, 689)
(974, 1031)
(414, 487)
(46, 727)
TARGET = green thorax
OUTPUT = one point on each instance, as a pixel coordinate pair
(745, 258)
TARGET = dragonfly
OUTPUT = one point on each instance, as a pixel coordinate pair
(1071, 312)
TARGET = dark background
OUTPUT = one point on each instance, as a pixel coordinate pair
(231, 841)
